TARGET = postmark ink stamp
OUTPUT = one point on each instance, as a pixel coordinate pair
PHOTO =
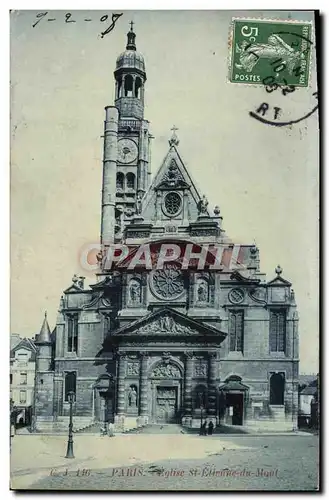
(269, 49)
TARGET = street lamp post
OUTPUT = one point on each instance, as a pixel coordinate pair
(69, 452)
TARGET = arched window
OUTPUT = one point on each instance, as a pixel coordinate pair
(72, 332)
(277, 383)
(129, 86)
(278, 331)
(236, 330)
(130, 180)
(138, 85)
(120, 180)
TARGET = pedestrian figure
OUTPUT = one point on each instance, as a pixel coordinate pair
(111, 430)
(210, 428)
(204, 428)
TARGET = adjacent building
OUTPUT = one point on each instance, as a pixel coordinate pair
(178, 343)
(22, 377)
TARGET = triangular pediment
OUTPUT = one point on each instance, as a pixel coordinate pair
(168, 322)
(24, 344)
(171, 176)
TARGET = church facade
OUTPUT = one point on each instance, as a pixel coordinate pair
(180, 325)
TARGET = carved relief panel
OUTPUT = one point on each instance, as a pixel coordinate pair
(200, 368)
(133, 368)
(166, 370)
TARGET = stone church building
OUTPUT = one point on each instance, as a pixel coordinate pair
(177, 343)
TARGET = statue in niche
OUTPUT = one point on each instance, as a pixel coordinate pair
(202, 291)
(203, 204)
(132, 397)
(139, 203)
(135, 292)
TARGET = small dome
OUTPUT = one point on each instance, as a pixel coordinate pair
(131, 59)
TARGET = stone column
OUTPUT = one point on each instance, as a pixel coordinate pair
(188, 384)
(134, 85)
(212, 389)
(109, 174)
(143, 400)
(121, 398)
(123, 86)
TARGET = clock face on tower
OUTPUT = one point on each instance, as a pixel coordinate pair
(127, 150)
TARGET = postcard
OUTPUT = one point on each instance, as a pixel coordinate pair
(164, 250)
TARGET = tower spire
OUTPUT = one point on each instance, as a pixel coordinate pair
(131, 45)
(44, 335)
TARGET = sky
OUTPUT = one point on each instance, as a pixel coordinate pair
(264, 179)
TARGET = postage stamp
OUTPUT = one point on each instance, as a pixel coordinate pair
(270, 50)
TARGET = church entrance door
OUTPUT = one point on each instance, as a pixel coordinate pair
(166, 404)
(234, 404)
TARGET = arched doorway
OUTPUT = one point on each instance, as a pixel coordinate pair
(233, 395)
(104, 399)
(277, 383)
(166, 392)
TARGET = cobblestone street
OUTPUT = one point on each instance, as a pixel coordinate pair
(166, 462)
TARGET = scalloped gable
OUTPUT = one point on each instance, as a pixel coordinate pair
(278, 280)
(183, 180)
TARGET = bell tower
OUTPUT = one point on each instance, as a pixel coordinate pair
(128, 176)
(130, 78)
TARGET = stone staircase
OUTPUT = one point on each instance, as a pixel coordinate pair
(92, 428)
(79, 423)
(61, 425)
(275, 421)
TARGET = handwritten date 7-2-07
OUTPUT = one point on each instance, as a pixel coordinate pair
(68, 18)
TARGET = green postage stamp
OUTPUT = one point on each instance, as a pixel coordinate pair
(269, 51)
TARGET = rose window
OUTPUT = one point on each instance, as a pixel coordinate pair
(172, 203)
(168, 283)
